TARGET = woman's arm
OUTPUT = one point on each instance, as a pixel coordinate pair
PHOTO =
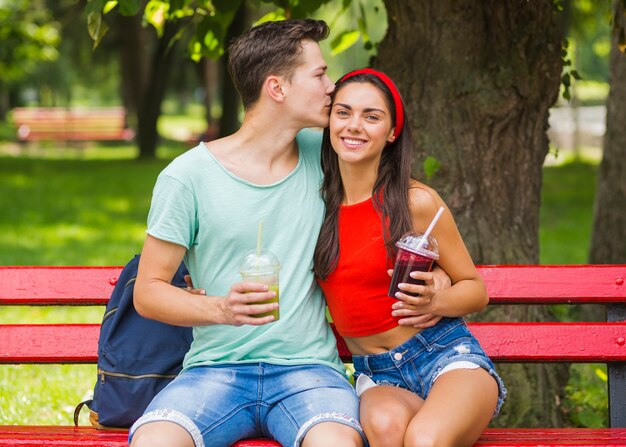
(467, 293)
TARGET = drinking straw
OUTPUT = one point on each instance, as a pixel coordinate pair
(430, 229)
(259, 239)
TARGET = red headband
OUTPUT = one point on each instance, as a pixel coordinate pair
(397, 100)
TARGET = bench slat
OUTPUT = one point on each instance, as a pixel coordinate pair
(49, 343)
(82, 135)
(86, 436)
(555, 283)
(535, 437)
(57, 285)
(503, 342)
(505, 284)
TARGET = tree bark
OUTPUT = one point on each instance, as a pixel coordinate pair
(478, 78)
(609, 220)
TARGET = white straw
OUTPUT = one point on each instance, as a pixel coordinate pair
(430, 229)
(259, 239)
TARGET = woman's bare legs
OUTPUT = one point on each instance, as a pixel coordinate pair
(386, 412)
(459, 407)
(457, 410)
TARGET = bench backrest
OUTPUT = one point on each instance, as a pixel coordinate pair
(58, 123)
(503, 341)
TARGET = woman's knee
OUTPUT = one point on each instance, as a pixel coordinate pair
(427, 438)
(383, 422)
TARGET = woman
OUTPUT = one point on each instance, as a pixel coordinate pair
(418, 385)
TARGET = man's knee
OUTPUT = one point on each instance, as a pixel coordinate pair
(161, 434)
(332, 433)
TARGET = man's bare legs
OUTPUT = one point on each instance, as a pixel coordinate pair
(161, 434)
(332, 434)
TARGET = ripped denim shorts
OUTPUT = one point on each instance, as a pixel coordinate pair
(416, 363)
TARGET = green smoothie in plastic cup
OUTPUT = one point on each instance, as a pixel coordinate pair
(263, 268)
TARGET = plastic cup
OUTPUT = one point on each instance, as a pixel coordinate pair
(413, 255)
(263, 268)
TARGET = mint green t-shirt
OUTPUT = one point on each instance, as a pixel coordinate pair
(200, 205)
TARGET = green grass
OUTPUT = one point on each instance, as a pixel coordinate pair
(566, 212)
(66, 207)
(88, 207)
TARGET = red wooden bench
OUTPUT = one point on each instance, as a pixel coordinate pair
(598, 342)
(71, 124)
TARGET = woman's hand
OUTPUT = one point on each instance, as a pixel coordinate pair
(190, 288)
(415, 302)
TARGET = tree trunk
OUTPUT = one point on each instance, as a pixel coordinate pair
(146, 65)
(609, 220)
(206, 70)
(134, 62)
(479, 78)
(231, 102)
(151, 98)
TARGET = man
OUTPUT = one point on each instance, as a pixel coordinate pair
(248, 376)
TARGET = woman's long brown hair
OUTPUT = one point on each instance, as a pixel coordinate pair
(390, 193)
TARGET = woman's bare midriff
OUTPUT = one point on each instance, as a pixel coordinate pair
(383, 342)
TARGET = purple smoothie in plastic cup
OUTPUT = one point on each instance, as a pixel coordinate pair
(413, 255)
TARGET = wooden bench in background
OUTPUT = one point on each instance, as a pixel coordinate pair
(71, 124)
(583, 342)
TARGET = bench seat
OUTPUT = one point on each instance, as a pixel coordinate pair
(31, 436)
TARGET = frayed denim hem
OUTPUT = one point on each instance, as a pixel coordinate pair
(329, 417)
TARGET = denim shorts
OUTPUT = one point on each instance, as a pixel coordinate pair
(416, 363)
(219, 405)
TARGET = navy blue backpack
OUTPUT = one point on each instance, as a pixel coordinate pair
(137, 357)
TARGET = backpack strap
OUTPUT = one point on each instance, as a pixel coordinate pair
(78, 409)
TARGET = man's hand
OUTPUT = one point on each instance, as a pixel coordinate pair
(242, 302)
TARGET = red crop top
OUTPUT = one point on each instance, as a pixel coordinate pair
(356, 291)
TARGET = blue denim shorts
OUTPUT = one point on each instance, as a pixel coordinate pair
(416, 363)
(219, 405)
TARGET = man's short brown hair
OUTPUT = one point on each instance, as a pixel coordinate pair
(271, 48)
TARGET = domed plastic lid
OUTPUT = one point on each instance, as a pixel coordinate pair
(264, 263)
(412, 241)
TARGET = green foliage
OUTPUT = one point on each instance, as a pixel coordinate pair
(431, 166)
(205, 23)
(587, 400)
(589, 36)
(28, 35)
(568, 72)
(344, 41)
